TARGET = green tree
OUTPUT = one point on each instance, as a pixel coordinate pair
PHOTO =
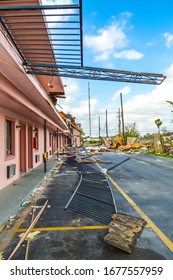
(170, 102)
(131, 130)
(147, 136)
(158, 122)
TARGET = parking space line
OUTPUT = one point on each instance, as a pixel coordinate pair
(57, 168)
(65, 228)
(14, 229)
(150, 223)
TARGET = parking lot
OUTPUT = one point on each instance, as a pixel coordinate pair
(141, 187)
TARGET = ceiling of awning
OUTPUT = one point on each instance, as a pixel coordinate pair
(49, 40)
(42, 34)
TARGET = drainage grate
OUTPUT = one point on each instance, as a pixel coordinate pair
(92, 197)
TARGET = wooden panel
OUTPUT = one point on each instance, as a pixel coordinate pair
(124, 231)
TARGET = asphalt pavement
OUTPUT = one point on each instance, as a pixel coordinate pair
(141, 186)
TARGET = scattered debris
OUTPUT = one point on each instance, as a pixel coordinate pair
(1, 256)
(28, 230)
(30, 236)
(112, 167)
(119, 140)
(3, 227)
(131, 140)
(133, 147)
(124, 232)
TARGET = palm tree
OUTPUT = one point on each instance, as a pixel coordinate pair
(170, 102)
(158, 122)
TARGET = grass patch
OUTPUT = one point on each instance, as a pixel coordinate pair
(160, 155)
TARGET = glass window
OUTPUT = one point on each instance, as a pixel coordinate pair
(36, 138)
(9, 137)
(50, 139)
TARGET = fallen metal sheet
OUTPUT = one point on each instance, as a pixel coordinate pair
(124, 232)
(91, 208)
(109, 169)
(92, 197)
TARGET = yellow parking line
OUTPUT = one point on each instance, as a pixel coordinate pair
(57, 168)
(162, 236)
(64, 228)
(14, 229)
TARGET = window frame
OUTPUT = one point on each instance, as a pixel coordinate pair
(36, 138)
(12, 138)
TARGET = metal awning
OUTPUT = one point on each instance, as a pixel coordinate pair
(49, 34)
(50, 42)
(93, 73)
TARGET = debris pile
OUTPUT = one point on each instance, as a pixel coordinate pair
(124, 232)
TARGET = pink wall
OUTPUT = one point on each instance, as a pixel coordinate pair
(76, 138)
(15, 159)
(24, 101)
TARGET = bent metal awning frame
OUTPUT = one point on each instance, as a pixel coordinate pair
(49, 40)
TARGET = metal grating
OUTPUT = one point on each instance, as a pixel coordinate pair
(49, 40)
(45, 33)
(100, 74)
(92, 197)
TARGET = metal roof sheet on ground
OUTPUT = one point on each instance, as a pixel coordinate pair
(92, 197)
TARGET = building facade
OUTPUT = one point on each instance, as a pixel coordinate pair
(74, 138)
(31, 129)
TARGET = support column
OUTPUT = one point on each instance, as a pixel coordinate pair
(122, 118)
(57, 143)
(45, 144)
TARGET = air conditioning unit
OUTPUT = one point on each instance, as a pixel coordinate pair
(11, 170)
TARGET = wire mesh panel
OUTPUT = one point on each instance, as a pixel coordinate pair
(92, 197)
(49, 40)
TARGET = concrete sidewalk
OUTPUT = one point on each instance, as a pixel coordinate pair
(15, 194)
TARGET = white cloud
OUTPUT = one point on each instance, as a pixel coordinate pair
(57, 2)
(125, 90)
(146, 108)
(106, 41)
(129, 55)
(76, 103)
(104, 56)
(127, 14)
(143, 109)
(169, 71)
(54, 19)
(169, 39)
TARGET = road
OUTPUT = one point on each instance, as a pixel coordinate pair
(142, 187)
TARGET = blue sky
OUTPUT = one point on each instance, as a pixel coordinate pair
(125, 35)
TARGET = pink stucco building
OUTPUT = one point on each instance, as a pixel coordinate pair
(74, 138)
(29, 121)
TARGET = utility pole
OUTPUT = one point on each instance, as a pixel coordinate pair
(122, 117)
(89, 107)
(119, 122)
(106, 124)
(99, 128)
